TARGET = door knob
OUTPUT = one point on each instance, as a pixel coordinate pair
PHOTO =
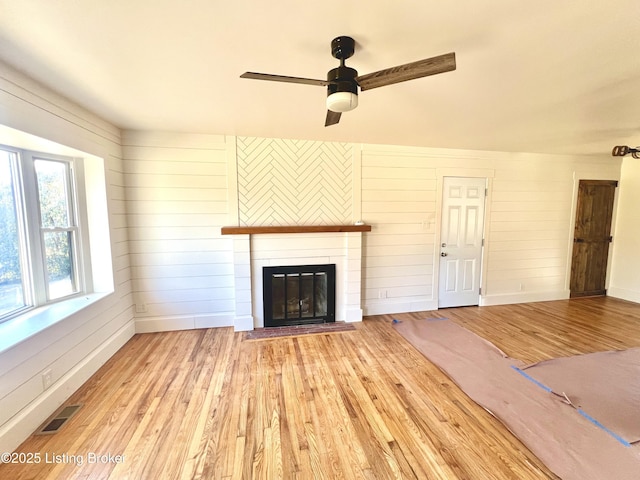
(443, 254)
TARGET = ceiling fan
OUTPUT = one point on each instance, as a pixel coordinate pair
(342, 82)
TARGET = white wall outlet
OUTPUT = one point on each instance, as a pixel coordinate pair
(46, 379)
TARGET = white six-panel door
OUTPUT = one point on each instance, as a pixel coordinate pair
(461, 241)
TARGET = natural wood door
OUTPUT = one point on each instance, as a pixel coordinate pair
(592, 237)
(461, 241)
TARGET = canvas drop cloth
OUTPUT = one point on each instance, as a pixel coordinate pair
(569, 444)
(604, 385)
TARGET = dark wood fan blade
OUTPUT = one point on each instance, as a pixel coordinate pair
(282, 78)
(408, 71)
(332, 118)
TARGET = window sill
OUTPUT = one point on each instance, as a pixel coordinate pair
(25, 326)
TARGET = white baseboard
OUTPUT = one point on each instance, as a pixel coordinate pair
(243, 323)
(22, 425)
(400, 307)
(353, 315)
(624, 294)
(385, 308)
(182, 322)
(523, 297)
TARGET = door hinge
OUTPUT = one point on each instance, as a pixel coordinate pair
(482, 243)
(480, 291)
(486, 192)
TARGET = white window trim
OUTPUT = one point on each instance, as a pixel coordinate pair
(34, 270)
(95, 218)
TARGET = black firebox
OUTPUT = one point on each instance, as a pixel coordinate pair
(298, 295)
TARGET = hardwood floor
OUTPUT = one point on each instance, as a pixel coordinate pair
(358, 404)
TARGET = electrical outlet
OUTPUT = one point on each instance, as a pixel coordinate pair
(46, 379)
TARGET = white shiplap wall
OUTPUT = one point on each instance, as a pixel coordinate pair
(177, 200)
(528, 222)
(625, 265)
(399, 201)
(74, 348)
(180, 190)
(531, 207)
(530, 233)
(625, 280)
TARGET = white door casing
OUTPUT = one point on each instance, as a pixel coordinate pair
(463, 203)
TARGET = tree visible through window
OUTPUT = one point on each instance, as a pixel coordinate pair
(39, 233)
(57, 226)
(12, 295)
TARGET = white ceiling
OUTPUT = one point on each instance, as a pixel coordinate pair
(547, 76)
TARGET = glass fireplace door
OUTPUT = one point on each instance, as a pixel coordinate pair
(295, 295)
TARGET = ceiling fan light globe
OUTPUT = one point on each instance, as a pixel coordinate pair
(342, 101)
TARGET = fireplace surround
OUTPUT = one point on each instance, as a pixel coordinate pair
(258, 247)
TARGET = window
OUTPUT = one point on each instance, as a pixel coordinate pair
(40, 237)
(12, 292)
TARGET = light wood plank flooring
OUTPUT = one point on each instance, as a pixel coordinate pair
(359, 404)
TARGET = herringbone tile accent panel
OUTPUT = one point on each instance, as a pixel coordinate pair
(293, 182)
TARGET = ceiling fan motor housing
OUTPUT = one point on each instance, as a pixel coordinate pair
(342, 91)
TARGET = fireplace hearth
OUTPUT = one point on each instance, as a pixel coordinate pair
(298, 295)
